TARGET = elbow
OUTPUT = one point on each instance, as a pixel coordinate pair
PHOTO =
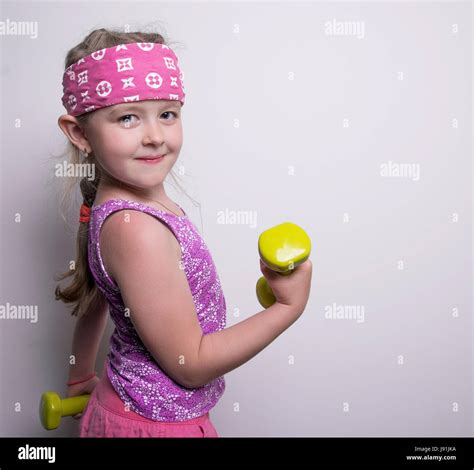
(183, 375)
(192, 374)
(191, 381)
(198, 375)
(189, 384)
(194, 379)
(198, 381)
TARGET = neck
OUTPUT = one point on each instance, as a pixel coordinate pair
(120, 190)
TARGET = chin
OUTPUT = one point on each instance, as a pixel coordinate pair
(150, 183)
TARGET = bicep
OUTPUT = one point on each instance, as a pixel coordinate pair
(154, 288)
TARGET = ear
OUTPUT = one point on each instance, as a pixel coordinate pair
(74, 132)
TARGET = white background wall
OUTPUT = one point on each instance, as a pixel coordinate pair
(289, 123)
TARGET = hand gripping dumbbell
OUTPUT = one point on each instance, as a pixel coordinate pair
(282, 248)
(52, 408)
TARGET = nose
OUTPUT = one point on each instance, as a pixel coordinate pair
(153, 134)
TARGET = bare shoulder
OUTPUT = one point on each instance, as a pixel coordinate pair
(134, 232)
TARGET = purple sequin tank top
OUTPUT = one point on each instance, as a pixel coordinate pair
(135, 375)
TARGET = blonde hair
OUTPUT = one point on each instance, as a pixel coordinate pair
(82, 291)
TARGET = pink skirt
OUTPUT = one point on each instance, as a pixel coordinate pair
(105, 416)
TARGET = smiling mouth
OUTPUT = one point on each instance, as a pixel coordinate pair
(150, 157)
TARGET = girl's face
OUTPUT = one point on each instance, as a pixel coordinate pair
(121, 133)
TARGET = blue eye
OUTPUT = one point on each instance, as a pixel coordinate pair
(172, 112)
(125, 116)
(121, 119)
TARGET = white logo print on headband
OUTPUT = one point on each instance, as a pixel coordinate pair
(107, 76)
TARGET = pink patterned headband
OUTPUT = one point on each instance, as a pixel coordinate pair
(127, 72)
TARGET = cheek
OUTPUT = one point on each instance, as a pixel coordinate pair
(115, 137)
(115, 143)
(176, 138)
(111, 148)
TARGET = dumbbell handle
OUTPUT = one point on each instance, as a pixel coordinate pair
(52, 408)
(74, 405)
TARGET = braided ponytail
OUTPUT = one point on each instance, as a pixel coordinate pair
(82, 291)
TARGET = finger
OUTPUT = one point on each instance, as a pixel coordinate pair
(264, 267)
(265, 271)
(307, 264)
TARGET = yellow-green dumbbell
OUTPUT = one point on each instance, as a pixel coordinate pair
(52, 408)
(282, 248)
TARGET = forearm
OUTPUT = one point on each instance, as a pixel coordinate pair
(225, 350)
(86, 341)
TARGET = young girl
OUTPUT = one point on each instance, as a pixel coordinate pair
(140, 257)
